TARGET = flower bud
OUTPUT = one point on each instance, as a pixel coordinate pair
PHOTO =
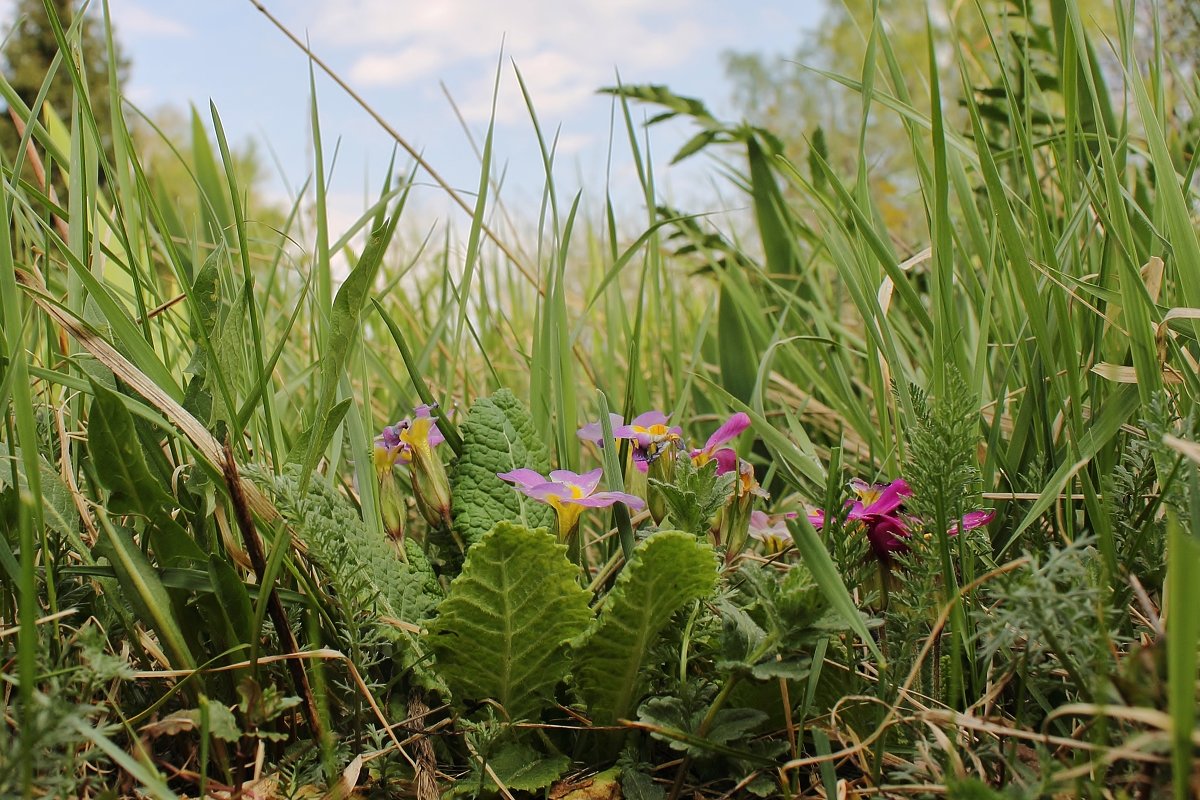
(431, 486)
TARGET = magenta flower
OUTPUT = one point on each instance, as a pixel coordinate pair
(651, 437)
(726, 457)
(568, 493)
(880, 509)
(593, 432)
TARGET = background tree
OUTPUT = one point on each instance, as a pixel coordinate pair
(30, 49)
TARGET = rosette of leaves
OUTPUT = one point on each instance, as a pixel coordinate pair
(497, 436)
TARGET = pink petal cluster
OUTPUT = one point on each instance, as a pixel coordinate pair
(395, 443)
(880, 510)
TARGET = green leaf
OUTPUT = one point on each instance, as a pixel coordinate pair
(825, 573)
(58, 508)
(521, 767)
(498, 436)
(668, 570)
(365, 572)
(305, 441)
(119, 460)
(142, 588)
(502, 631)
(737, 352)
(233, 598)
(343, 331)
(695, 495)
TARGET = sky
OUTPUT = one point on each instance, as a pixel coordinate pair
(407, 57)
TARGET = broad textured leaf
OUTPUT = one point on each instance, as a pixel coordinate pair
(498, 436)
(521, 767)
(58, 509)
(667, 571)
(502, 631)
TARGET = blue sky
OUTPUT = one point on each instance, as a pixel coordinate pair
(399, 54)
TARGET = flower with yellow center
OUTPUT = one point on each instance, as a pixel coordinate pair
(568, 493)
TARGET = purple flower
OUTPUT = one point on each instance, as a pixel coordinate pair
(398, 443)
(568, 493)
(411, 441)
(726, 457)
(594, 432)
(651, 437)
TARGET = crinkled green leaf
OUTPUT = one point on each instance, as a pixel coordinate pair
(667, 571)
(502, 631)
(694, 495)
(498, 436)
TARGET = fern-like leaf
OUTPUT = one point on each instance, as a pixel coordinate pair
(367, 576)
(502, 630)
(667, 571)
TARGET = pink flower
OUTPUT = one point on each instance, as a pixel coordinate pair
(726, 457)
(397, 443)
(880, 510)
(568, 493)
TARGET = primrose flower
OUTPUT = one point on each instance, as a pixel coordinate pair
(771, 529)
(411, 441)
(880, 509)
(726, 457)
(651, 437)
(568, 493)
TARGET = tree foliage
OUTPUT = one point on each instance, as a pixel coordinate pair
(30, 51)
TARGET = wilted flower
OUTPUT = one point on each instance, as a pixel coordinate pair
(568, 493)
(726, 457)
(880, 509)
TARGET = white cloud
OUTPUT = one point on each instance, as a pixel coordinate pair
(133, 19)
(564, 50)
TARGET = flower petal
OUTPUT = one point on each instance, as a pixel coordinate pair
(594, 431)
(972, 520)
(727, 460)
(645, 420)
(587, 482)
(730, 430)
(890, 498)
(601, 499)
(526, 478)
